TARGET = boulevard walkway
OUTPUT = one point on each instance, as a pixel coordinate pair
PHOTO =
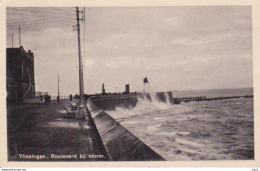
(39, 132)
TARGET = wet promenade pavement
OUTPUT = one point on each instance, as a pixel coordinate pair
(39, 132)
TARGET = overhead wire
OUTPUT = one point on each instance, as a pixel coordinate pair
(37, 23)
(63, 9)
(22, 16)
(28, 15)
(14, 14)
(36, 10)
(35, 19)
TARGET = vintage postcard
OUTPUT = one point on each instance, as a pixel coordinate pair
(142, 83)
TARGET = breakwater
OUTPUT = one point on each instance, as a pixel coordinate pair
(110, 102)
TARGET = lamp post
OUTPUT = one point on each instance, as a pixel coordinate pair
(81, 108)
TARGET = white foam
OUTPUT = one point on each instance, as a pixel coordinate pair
(143, 106)
(154, 127)
(183, 133)
(186, 142)
(66, 124)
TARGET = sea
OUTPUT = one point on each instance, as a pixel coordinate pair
(196, 130)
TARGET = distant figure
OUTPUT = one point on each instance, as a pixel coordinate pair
(70, 97)
(41, 99)
(45, 99)
(48, 99)
(103, 89)
(58, 99)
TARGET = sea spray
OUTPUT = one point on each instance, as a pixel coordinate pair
(152, 95)
(148, 104)
(144, 106)
(167, 98)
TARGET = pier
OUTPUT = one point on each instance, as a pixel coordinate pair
(161, 96)
(204, 98)
(109, 102)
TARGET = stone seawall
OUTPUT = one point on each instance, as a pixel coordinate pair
(120, 144)
(111, 102)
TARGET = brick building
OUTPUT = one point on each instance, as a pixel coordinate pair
(20, 82)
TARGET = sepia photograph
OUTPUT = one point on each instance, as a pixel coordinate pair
(139, 83)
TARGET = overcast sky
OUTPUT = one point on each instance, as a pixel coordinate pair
(177, 48)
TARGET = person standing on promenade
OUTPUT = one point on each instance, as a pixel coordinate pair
(49, 99)
(58, 99)
(45, 99)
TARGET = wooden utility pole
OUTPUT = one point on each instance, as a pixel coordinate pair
(20, 37)
(58, 88)
(81, 111)
(81, 85)
(12, 41)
